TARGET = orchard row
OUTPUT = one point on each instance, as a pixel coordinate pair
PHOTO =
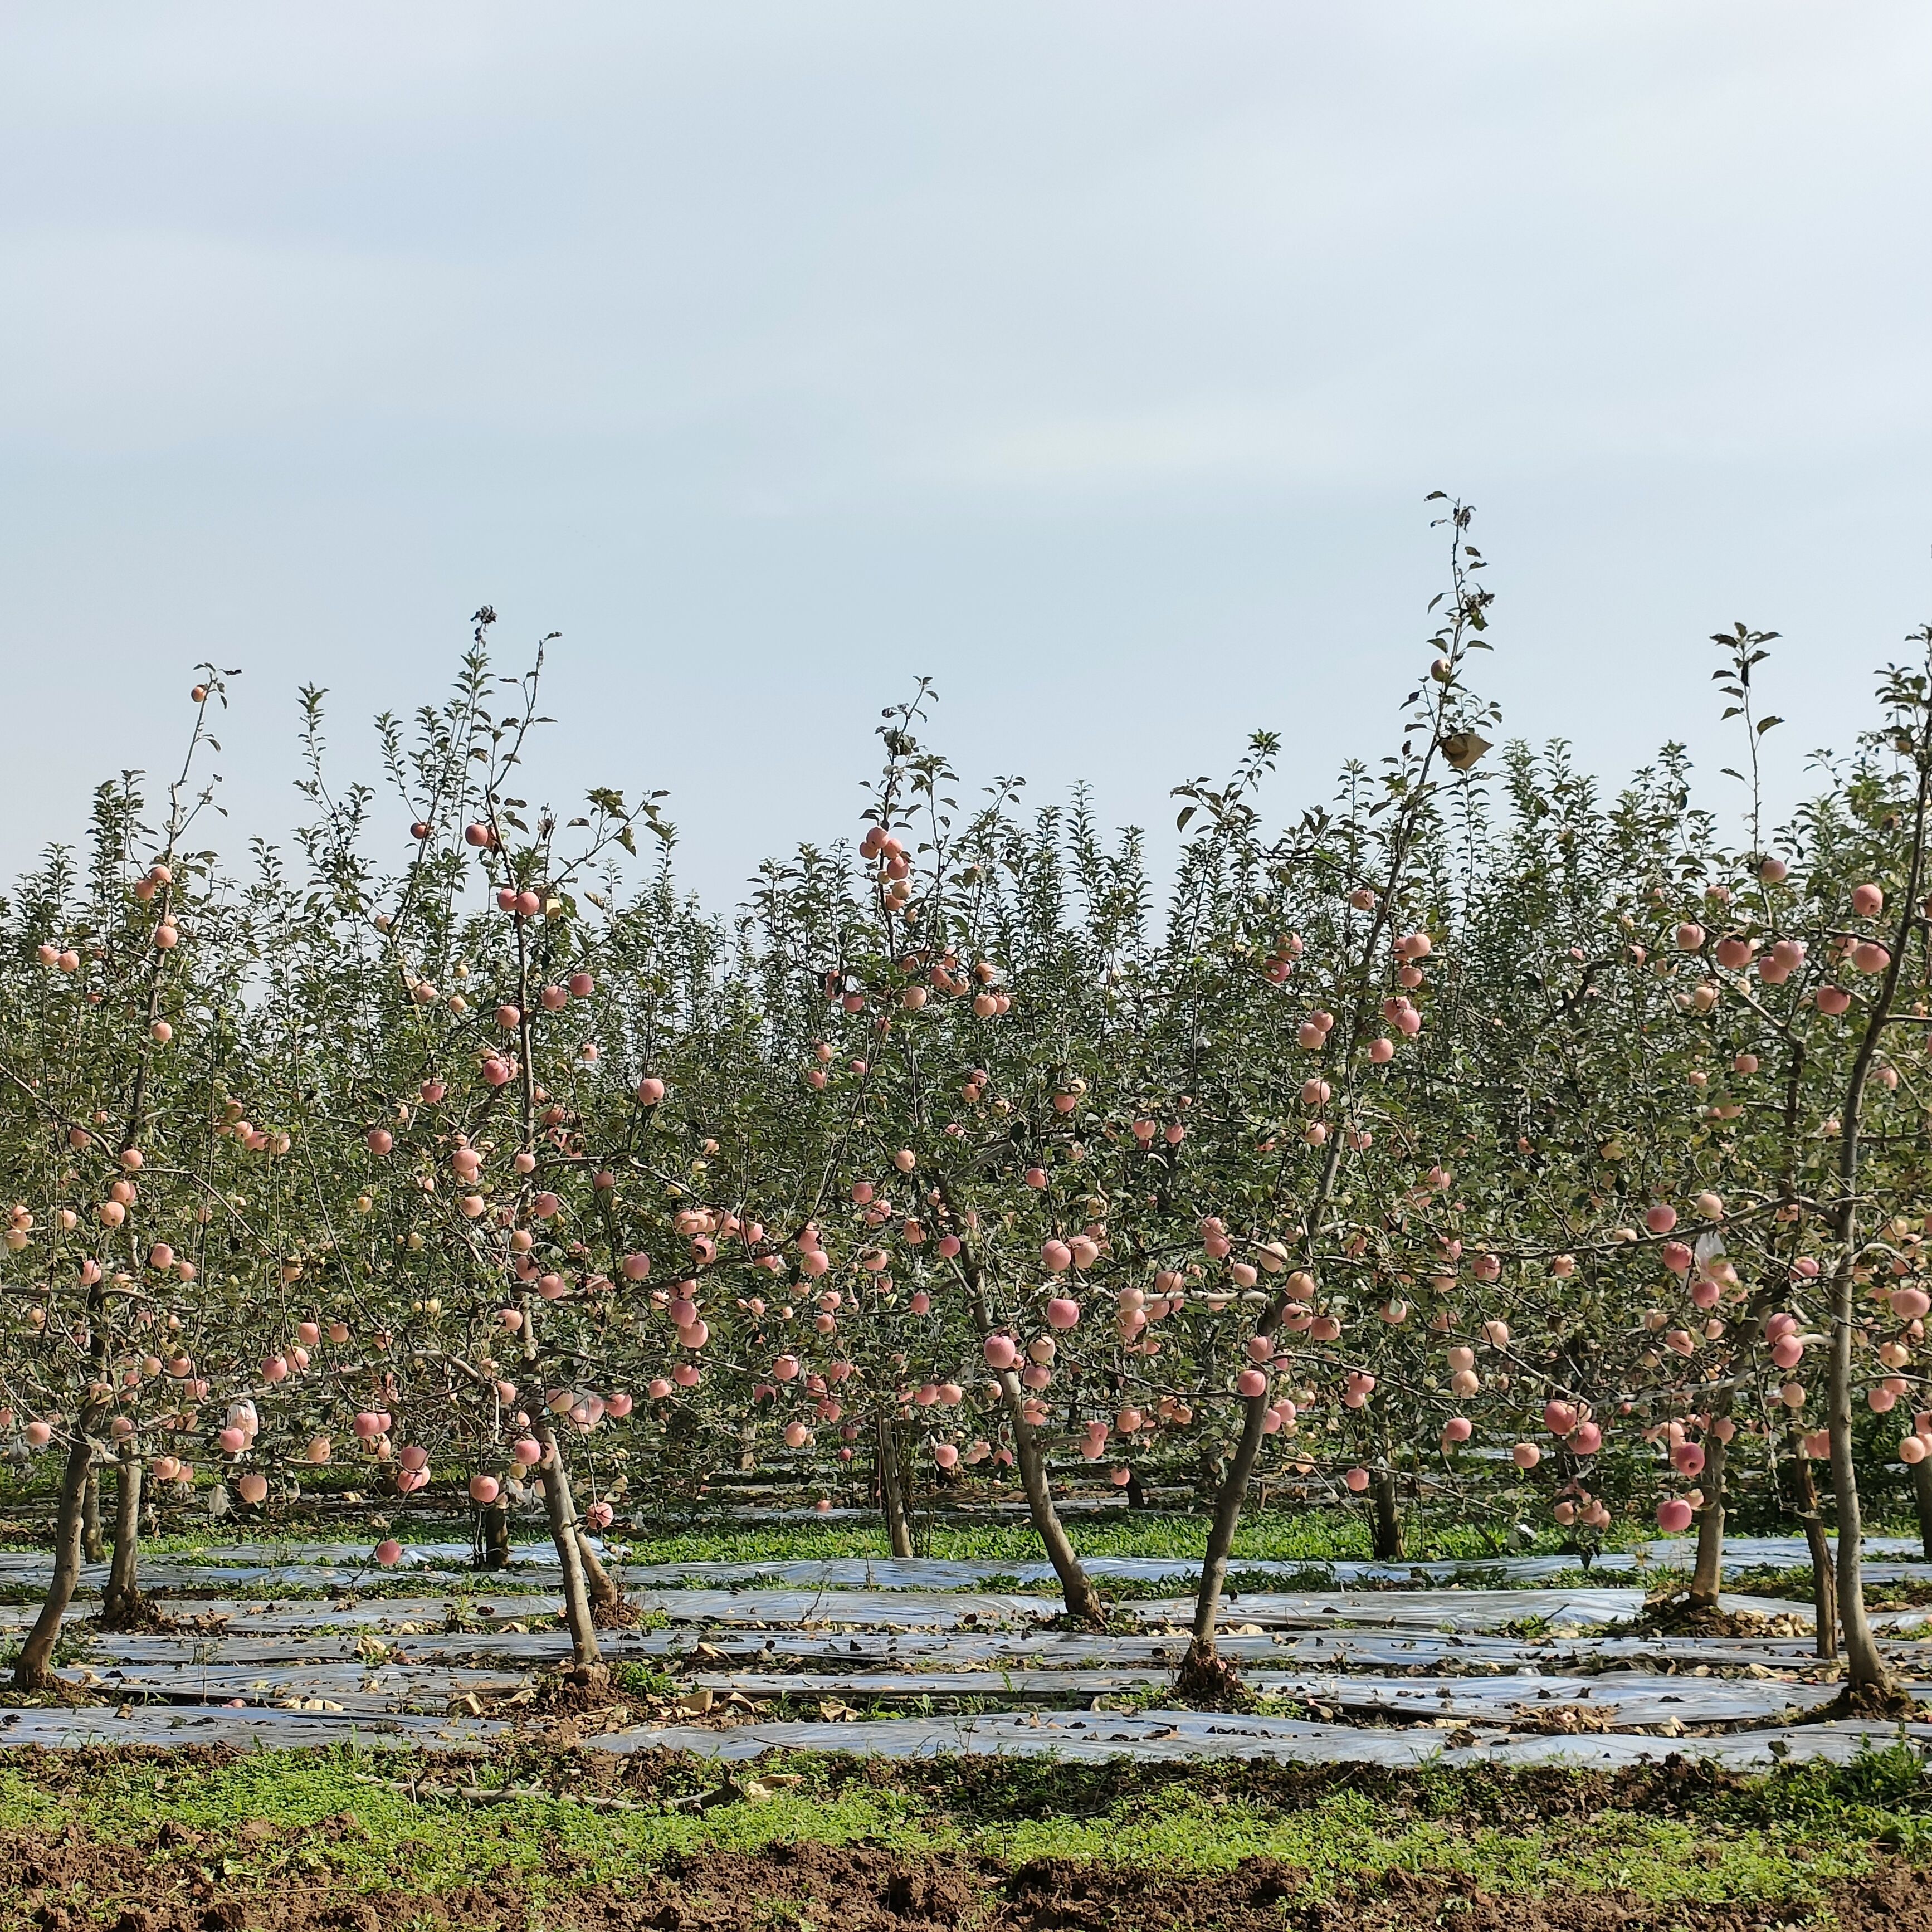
(1477, 1136)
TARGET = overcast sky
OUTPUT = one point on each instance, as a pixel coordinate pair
(1093, 358)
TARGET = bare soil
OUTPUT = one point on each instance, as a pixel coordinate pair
(863, 1890)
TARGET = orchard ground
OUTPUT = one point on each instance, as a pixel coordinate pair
(799, 1730)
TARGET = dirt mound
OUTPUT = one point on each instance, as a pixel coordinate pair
(617, 1612)
(575, 1702)
(1068, 1895)
(135, 1615)
(1890, 1705)
(1678, 1616)
(1210, 1683)
(870, 1891)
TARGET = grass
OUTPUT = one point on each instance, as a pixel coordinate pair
(1882, 1796)
(334, 1818)
(1905, 1593)
(1350, 1837)
(270, 1816)
(1307, 1537)
(1311, 1535)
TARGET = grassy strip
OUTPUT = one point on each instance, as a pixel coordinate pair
(1799, 1584)
(1687, 1833)
(1307, 1534)
(1298, 1536)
